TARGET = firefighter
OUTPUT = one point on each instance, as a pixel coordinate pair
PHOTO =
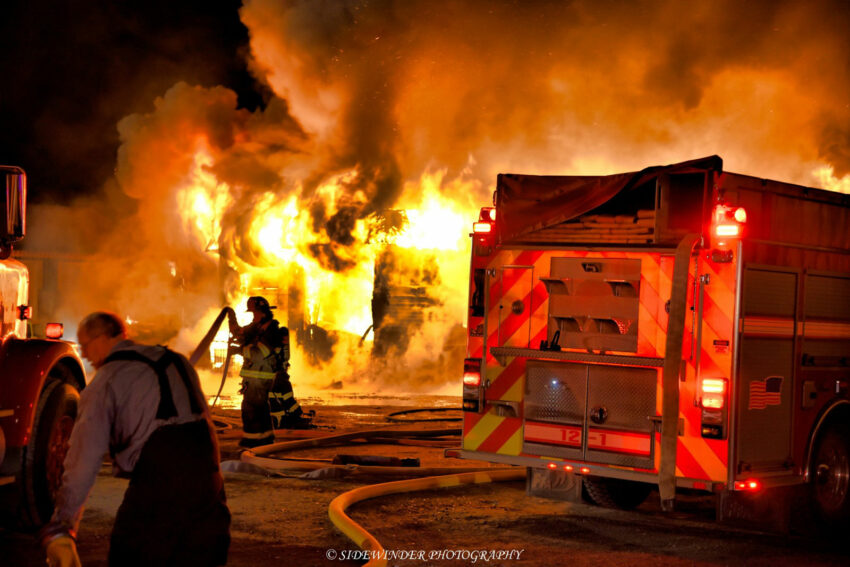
(267, 397)
(144, 407)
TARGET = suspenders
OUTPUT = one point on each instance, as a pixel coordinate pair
(166, 408)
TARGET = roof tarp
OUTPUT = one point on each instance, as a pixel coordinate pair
(527, 203)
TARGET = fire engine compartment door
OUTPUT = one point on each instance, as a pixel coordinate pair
(766, 369)
(511, 312)
(593, 412)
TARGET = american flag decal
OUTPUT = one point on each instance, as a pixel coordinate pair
(767, 392)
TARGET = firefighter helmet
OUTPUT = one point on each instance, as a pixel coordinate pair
(258, 303)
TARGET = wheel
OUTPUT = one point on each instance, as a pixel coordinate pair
(831, 475)
(615, 492)
(45, 453)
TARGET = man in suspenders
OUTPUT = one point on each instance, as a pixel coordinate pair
(146, 408)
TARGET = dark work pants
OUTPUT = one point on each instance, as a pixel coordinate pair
(174, 512)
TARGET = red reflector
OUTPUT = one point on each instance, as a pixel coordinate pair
(471, 378)
(24, 312)
(55, 330)
(482, 227)
(751, 485)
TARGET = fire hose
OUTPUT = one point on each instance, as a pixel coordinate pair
(257, 456)
(366, 541)
(204, 346)
(437, 477)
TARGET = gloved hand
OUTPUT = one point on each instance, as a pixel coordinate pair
(62, 552)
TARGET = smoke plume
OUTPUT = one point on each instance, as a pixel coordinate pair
(375, 101)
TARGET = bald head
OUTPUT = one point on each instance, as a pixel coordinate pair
(98, 333)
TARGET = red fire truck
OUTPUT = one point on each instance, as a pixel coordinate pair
(40, 380)
(676, 327)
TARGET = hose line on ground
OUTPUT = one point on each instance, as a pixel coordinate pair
(257, 456)
(395, 415)
(366, 541)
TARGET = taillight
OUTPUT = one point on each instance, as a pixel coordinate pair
(713, 393)
(471, 372)
(712, 401)
(473, 393)
(55, 330)
(751, 485)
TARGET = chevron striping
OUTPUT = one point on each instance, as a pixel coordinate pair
(513, 446)
(506, 378)
(481, 431)
(500, 435)
(709, 462)
(686, 465)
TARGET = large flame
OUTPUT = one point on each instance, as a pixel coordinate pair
(385, 126)
(281, 232)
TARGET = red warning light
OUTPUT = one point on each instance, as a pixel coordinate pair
(750, 485)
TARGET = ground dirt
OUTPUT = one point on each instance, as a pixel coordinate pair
(283, 520)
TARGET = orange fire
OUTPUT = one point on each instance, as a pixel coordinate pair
(384, 130)
(280, 230)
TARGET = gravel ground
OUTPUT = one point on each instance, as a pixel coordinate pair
(284, 520)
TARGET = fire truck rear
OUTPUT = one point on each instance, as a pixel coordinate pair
(676, 327)
(40, 380)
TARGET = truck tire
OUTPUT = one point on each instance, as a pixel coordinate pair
(45, 453)
(615, 492)
(831, 476)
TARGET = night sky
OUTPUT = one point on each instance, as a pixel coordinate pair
(71, 69)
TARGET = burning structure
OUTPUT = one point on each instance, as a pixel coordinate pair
(390, 105)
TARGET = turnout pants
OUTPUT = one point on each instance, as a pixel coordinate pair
(256, 418)
(174, 512)
(285, 409)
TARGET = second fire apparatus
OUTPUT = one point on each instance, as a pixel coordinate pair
(40, 380)
(676, 327)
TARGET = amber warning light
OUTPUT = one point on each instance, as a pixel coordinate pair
(55, 330)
